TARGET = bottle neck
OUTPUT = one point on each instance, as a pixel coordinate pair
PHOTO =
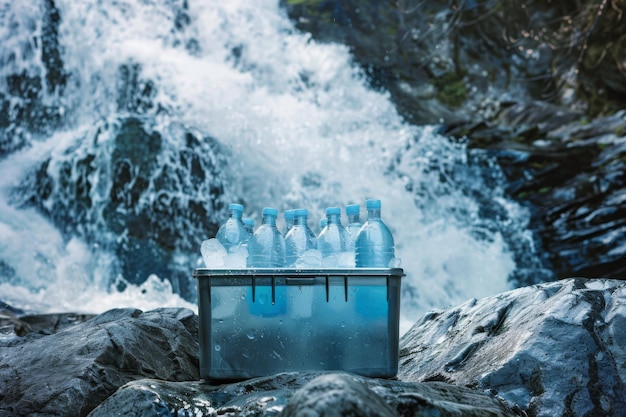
(300, 220)
(353, 218)
(269, 220)
(333, 218)
(373, 214)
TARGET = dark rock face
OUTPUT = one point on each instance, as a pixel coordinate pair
(453, 61)
(73, 370)
(554, 349)
(571, 173)
(23, 110)
(145, 194)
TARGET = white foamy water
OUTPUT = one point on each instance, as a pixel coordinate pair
(302, 127)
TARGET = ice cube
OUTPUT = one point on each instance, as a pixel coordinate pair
(213, 253)
(310, 259)
(345, 260)
(236, 258)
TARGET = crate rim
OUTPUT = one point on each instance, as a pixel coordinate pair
(275, 272)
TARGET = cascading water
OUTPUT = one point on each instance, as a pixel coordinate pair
(129, 126)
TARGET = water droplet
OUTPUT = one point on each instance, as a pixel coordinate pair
(251, 335)
(218, 348)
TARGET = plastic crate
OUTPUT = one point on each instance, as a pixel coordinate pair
(257, 322)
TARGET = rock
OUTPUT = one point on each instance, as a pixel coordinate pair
(555, 349)
(301, 394)
(571, 173)
(454, 62)
(148, 194)
(70, 372)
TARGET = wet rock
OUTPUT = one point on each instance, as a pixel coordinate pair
(149, 194)
(571, 172)
(554, 349)
(460, 61)
(302, 394)
(73, 370)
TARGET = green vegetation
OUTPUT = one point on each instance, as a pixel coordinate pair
(451, 89)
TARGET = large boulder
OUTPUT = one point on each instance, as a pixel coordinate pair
(147, 192)
(70, 372)
(555, 349)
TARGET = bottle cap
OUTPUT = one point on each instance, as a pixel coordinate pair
(372, 204)
(333, 210)
(323, 222)
(268, 211)
(248, 221)
(288, 214)
(300, 212)
(352, 209)
(235, 206)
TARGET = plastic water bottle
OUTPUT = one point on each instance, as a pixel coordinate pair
(300, 237)
(289, 215)
(354, 224)
(332, 239)
(233, 232)
(266, 248)
(249, 223)
(323, 223)
(374, 247)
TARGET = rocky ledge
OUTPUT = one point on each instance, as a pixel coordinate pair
(554, 349)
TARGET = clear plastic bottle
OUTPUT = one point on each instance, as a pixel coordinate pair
(300, 238)
(323, 223)
(332, 239)
(233, 233)
(374, 247)
(288, 215)
(354, 224)
(266, 248)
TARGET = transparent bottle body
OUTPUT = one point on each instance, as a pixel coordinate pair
(266, 247)
(299, 240)
(374, 246)
(352, 228)
(332, 239)
(233, 232)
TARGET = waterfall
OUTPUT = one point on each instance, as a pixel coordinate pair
(268, 115)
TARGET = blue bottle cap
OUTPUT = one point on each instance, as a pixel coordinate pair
(268, 211)
(235, 206)
(352, 209)
(300, 212)
(248, 221)
(333, 210)
(372, 204)
(289, 214)
(323, 222)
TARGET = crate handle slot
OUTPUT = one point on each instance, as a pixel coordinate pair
(253, 288)
(273, 289)
(345, 286)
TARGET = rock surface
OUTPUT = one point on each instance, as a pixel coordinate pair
(70, 372)
(555, 349)
(302, 394)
